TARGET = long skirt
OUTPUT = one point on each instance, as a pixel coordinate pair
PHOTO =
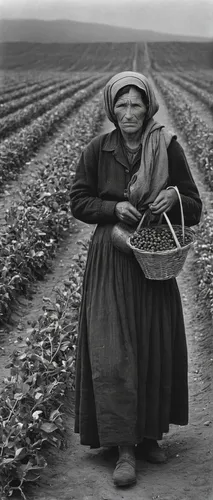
(131, 367)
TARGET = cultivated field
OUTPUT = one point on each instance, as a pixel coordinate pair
(51, 106)
(67, 57)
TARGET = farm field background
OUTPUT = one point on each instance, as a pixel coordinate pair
(51, 105)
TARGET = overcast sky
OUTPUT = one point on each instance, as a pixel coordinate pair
(193, 17)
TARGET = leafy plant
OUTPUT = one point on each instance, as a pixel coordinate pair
(20, 146)
(31, 403)
(200, 139)
(195, 130)
(18, 101)
(22, 117)
(201, 94)
(204, 268)
(36, 225)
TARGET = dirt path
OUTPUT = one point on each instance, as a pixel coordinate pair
(29, 309)
(78, 473)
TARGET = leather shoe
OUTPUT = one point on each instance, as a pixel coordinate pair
(124, 473)
(150, 450)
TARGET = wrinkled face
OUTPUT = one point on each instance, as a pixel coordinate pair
(130, 111)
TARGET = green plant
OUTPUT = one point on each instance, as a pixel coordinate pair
(36, 225)
(31, 403)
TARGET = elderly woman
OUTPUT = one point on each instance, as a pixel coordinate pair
(131, 371)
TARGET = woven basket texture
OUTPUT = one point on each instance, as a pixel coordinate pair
(165, 264)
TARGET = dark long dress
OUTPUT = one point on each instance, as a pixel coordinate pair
(131, 372)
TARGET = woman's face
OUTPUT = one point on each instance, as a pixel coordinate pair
(130, 111)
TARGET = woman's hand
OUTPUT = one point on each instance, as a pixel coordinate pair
(127, 213)
(164, 201)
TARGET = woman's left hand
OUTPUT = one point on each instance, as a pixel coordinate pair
(164, 201)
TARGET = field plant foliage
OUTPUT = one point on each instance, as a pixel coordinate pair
(204, 268)
(36, 94)
(19, 148)
(22, 117)
(31, 402)
(108, 56)
(43, 367)
(181, 56)
(192, 87)
(202, 80)
(32, 82)
(19, 82)
(42, 216)
(200, 140)
(196, 132)
(17, 92)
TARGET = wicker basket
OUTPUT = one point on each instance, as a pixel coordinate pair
(167, 264)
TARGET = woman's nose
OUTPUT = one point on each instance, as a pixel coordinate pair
(128, 112)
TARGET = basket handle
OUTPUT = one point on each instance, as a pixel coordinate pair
(181, 210)
(167, 218)
(147, 212)
(172, 230)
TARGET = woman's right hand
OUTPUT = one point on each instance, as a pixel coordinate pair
(127, 213)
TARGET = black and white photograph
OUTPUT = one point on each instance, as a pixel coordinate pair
(106, 250)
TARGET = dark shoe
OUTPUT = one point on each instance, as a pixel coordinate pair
(124, 473)
(150, 450)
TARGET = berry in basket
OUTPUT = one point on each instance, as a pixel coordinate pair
(157, 239)
(160, 250)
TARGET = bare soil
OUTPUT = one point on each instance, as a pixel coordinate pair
(78, 473)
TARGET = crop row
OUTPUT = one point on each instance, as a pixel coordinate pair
(201, 79)
(22, 117)
(66, 57)
(42, 369)
(198, 135)
(30, 91)
(35, 225)
(180, 55)
(24, 90)
(30, 97)
(203, 251)
(32, 401)
(201, 94)
(18, 149)
(23, 84)
(200, 141)
(6, 90)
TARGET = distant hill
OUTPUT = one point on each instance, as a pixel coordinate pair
(63, 31)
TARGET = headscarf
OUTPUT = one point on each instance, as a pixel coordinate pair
(152, 175)
(117, 82)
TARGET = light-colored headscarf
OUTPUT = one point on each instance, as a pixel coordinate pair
(153, 172)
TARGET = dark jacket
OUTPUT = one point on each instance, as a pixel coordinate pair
(103, 173)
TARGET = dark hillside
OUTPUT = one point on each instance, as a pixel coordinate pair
(66, 31)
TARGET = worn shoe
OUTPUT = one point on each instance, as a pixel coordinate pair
(150, 450)
(124, 473)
